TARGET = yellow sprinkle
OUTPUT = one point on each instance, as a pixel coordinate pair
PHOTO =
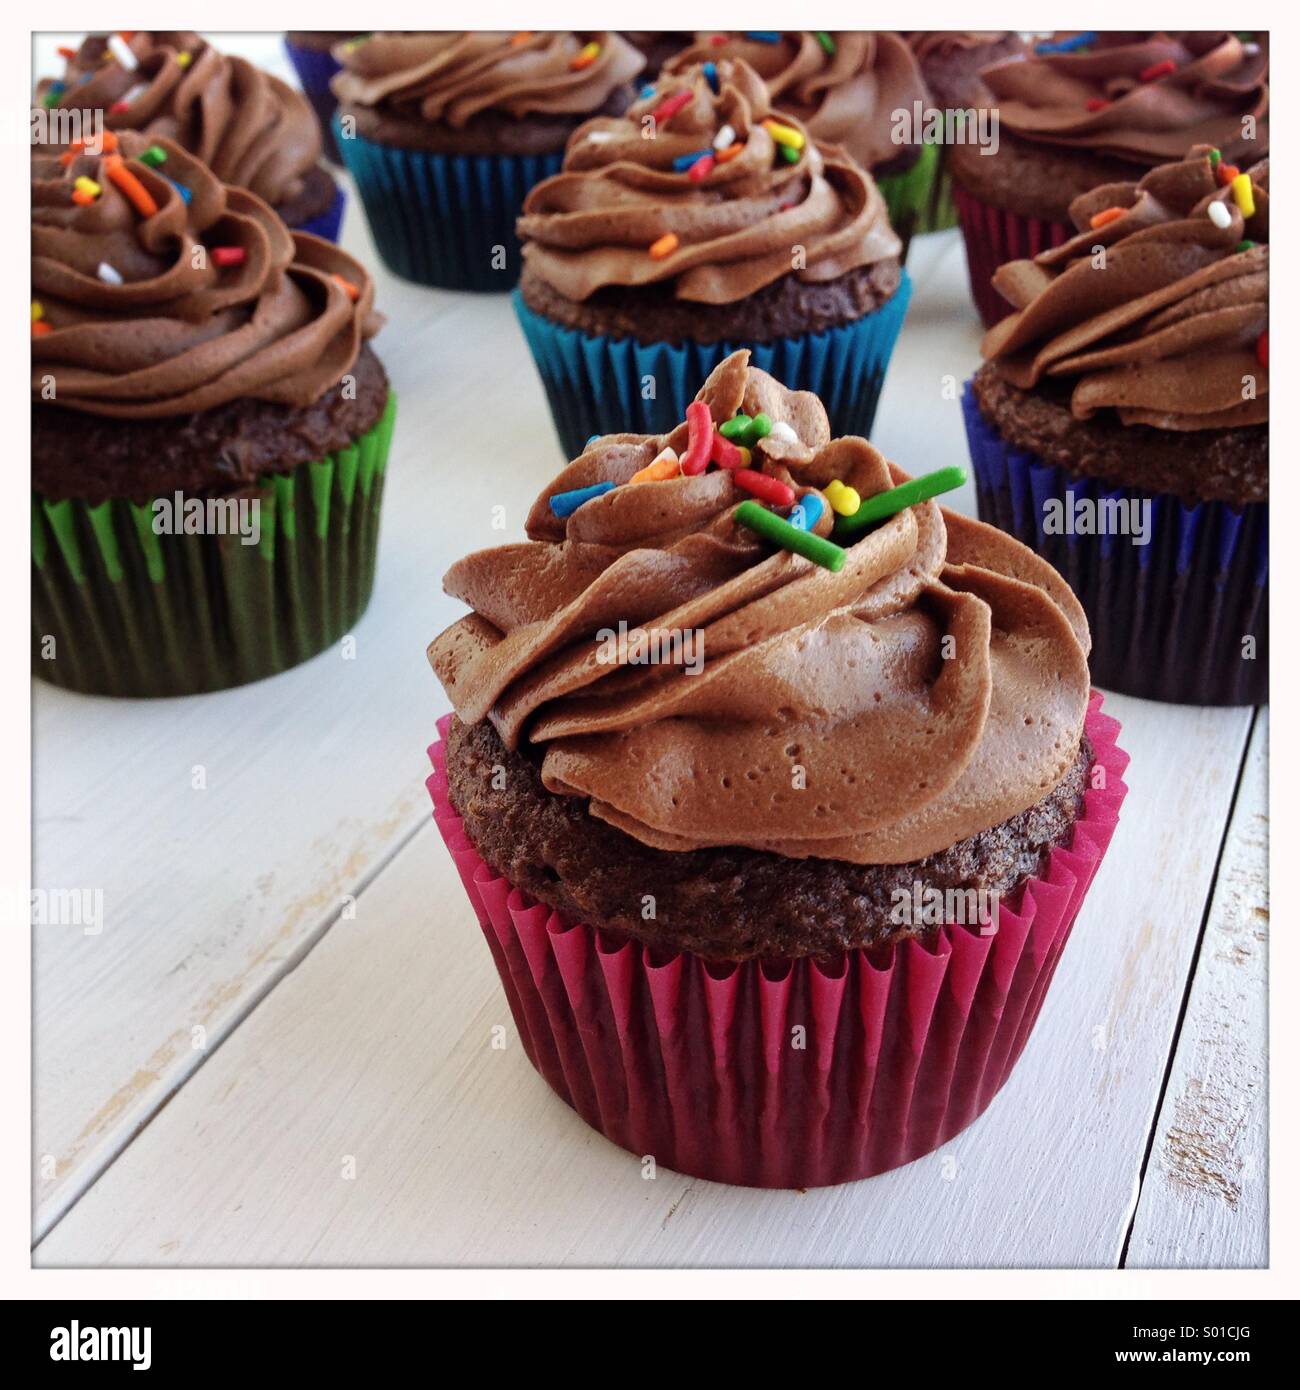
(183, 59)
(844, 500)
(746, 457)
(784, 134)
(588, 55)
(665, 246)
(86, 185)
(1244, 194)
(38, 310)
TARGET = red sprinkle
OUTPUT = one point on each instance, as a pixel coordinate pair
(119, 106)
(1160, 69)
(228, 255)
(1261, 348)
(670, 106)
(701, 169)
(718, 40)
(1096, 103)
(764, 488)
(40, 328)
(724, 453)
(1227, 172)
(699, 436)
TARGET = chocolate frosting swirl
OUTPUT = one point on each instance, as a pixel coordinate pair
(1215, 82)
(180, 333)
(453, 77)
(926, 43)
(1165, 329)
(909, 741)
(845, 98)
(250, 128)
(592, 225)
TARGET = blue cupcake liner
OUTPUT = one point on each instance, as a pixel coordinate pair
(445, 220)
(1168, 618)
(597, 384)
(315, 68)
(326, 224)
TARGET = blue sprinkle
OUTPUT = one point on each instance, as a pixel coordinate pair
(1068, 45)
(684, 161)
(181, 189)
(807, 511)
(648, 90)
(711, 72)
(590, 441)
(763, 35)
(566, 503)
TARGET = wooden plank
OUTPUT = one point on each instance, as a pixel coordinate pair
(379, 1048)
(1204, 1201)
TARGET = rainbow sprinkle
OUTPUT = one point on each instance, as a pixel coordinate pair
(107, 274)
(808, 511)
(826, 41)
(665, 246)
(1067, 45)
(895, 499)
(772, 528)
(584, 59)
(566, 503)
(1244, 195)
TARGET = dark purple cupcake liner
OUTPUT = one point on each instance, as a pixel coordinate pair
(1169, 619)
(993, 237)
(315, 67)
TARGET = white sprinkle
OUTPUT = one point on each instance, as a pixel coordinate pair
(1219, 214)
(121, 50)
(780, 430)
(1250, 49)
(725, 138)
(135, 93)
(107, 274)
(600, 137)
(668, 454)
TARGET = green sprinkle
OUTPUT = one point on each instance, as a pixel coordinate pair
(789, 154)
(772, 528)
(735, 427)
(826, 41)
(761, 426)
(50, 99)
(1245, 246)
(1215, 156)
(886, 504)
(154, 156)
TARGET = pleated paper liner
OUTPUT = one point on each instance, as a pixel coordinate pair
(132, 613)
(780, 1074)
(326, 224)
(598, 385)
(993, 237)
(315, 69)
(1182, 619)
(445, 220)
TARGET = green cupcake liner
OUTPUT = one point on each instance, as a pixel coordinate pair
(920, 199)
(133, 613)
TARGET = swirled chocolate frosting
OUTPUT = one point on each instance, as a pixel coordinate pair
(931, 689)
(846, 97)
(453, 78)
(754, 219)
(251, 129)
(207, 298)
(1157, 312)
(1145, 98)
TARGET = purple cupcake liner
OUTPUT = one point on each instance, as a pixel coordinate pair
(1170, 618)
(315, 68)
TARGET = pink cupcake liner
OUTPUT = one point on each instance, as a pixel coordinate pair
(792, 1073)
(993, 237)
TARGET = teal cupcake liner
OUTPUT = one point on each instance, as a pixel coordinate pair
(597, 384)
(445, 220)
(120, 610)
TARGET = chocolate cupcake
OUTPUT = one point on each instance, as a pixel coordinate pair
(250, 128)
(1119, 426)
(701, 793)
(311, 51)
(951, 61)
(446, 133)
(1085, 110)
(845, 89)
(649, 260)
(209, 427)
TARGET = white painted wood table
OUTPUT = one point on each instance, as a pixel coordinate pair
(277, 1052)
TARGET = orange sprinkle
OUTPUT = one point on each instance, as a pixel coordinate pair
(131, 188)
(40, 328)
(665, 246)
(588, 55)
(65, 52)
(727, 155)
(1103, 219)
(83, 198)
(659, 471)
(521, 38)
(352, 292)
(1227, 172)
(77, 147)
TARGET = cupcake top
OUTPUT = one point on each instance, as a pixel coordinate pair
(158, 290)
(844, 87)
(460, 79)
(930, 687)
(246, 125)
(1168, 322)
(1144, 98)
(699, 186)
(926, 43)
